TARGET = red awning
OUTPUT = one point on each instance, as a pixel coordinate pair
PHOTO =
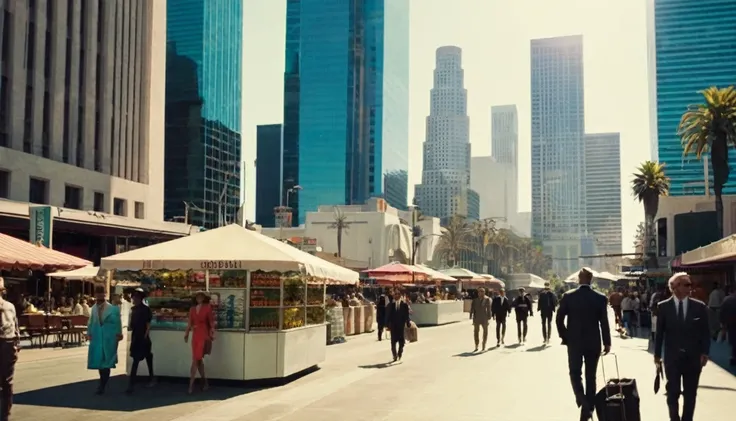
(17, 254)
(397, 272)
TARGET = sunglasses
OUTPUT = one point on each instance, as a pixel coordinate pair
(686, 284)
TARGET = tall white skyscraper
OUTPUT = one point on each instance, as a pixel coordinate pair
(558, 128)
(445, 188)
(505, 134)
(603, 190)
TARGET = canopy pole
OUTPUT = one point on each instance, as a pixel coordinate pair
(48, 295)
(207, 280)
(108, 282)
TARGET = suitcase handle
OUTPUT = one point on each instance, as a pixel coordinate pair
(618, 373)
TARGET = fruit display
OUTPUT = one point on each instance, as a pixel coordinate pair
(263, 279)
(293, 317)
(315, 296)
(264, 298)
(315, 315)
(293, 293)
(264, 319)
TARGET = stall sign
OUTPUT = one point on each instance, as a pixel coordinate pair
(41, 225)
(221, 264)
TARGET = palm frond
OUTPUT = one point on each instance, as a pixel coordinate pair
(650, 180)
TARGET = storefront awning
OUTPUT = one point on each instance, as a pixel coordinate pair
(719, 251)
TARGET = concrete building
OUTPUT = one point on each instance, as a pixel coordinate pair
(496, 185)
(505, 134)
(445, 188)
(558, 127)
(680, 65)
(346, 103)
(269, 166)
(81, 122)
(377, 233)
(603, 190)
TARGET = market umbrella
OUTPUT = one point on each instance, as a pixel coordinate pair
(397, 272)
(17, 254)
(435, 275)
(82, 274)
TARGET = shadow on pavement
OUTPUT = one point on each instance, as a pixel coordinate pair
(537, 348)
(514, 346)
(728, 389)
(378, 366)
(81, 395)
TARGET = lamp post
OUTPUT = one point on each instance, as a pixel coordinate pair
(287, 208)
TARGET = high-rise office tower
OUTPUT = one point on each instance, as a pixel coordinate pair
(346, 102)
(681, 64)
(603, 190)
(203, 103)
(505, 134)
(268, 172)
(558, 128)
(81, 105)
(445, 188)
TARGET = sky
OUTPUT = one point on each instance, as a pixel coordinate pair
(494, 36)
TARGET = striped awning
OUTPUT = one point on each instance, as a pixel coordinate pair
(17, 254)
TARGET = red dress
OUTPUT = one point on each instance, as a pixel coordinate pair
(202, 322)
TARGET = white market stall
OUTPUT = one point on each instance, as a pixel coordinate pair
(438, 312)
(268, 298)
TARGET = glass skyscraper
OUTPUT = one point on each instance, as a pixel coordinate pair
(694, 47)
(268, 173)
(346, 102)
(203, 111)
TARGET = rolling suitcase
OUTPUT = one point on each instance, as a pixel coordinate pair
(618, 400)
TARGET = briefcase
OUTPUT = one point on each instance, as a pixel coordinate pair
(411, 334)
(618, 400)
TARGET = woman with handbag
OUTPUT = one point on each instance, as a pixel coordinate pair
(202, 324)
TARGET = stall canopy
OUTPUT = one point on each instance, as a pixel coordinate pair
(397, 272)
(81, 274)
(17, 254)
(461, 273)
(719, 251)
(435, 275)
(230, 247)
(524, 280)
(492, 280)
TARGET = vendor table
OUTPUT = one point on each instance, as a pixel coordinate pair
(437, 313)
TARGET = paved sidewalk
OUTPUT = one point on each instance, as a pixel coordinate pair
(438, 380)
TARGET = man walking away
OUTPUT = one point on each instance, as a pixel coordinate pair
(546, 308)
(397, 317)
(480, 314)
(683, 331)
(715, 301)
(500, 308)
(586, 312)
(381, 304)
(629, 307)
(728, 322)
(9, 348)
(616, 298)
(523, 306)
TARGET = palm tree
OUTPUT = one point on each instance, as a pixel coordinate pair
(649, 183)
(483, 232)
(453, 240)
(711, 127)
(341, 225)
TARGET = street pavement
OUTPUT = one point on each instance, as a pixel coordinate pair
(439, 379)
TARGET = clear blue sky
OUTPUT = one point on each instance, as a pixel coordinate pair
(494, 36)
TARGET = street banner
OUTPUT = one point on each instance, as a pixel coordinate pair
(41, 225)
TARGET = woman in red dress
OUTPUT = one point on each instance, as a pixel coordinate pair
(202, 323)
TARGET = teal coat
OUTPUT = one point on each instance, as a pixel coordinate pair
(103, 347)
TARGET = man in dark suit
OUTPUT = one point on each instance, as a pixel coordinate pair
(546, 307)
(397, 318)
(586, 312)
(500, 308)
(684, 332)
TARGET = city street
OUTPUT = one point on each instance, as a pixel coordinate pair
(439, 379)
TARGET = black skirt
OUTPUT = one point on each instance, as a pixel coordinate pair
(140, 347)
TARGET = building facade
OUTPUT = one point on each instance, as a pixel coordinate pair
(603, 190)
(558, 128)
(81, 105)
(495, 183)
(203, 111)
(445, 188)
(353, 102)
(682, 66)
(269, 169)
(505, 134)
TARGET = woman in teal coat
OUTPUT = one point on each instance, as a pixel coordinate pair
(104, 331)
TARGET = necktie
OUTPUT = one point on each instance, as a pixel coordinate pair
(681, 311)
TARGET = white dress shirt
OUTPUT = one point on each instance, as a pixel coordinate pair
(677, 305)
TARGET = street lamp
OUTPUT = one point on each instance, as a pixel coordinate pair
(286, 208)
(290, 191)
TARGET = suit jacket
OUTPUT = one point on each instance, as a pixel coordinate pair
(500, 307)
(547, 303)
(396, 320)
(480, 310)
(586, 312)
(691, 337)
(523, 306)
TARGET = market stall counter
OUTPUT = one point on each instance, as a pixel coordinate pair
(268, 323)
(437, 312)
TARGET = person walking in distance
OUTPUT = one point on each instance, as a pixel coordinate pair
(397, 318)
(523, 306)
(104, 331)
(381, 304)
(500, 308)
(9, 349)
(140, 341)
(582, 323)
(615, 299)
(683, 331)
(546, 308)
(480, 314)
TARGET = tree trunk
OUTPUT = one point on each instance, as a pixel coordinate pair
(719, 209)
(719, 161)
(339, 241)
(651, 207)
